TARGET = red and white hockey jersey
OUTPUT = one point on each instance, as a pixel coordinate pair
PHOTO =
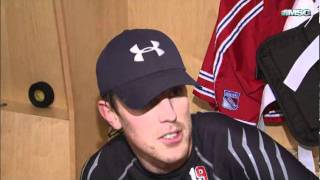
(228, 75)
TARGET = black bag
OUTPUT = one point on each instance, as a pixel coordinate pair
(275, 58)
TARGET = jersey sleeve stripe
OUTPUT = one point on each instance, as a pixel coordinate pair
(249, 153)
(283, 167)
(230, 15)
(204, 97)
(265, 156)
(206, 78)
(235, 155)
(123, 175)
(206, 74)
(94, 165)
(234, 34)
(272, 115)
(205, 91)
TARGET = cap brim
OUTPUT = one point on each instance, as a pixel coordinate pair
(138, 93)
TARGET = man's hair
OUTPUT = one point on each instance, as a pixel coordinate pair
(110, 98)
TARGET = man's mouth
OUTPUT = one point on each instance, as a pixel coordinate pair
(170, 135)
(172, 138)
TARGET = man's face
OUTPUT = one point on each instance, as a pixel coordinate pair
(160, 134)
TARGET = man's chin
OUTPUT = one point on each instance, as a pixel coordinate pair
(173, 162)
(176, 155)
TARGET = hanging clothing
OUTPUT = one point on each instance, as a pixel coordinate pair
(228, 75)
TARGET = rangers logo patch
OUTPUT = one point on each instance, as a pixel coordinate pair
(230, 100)
(198, 173)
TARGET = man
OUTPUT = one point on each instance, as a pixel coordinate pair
(142, 80)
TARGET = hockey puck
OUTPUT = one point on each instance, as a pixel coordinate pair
(41, 94)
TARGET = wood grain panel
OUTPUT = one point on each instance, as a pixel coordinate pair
(34, 147)
(281, 134)
(60, 23)
(189, 24)
(29, 50)
(89, 26)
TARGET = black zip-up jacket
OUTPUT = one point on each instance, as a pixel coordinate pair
(222, 149)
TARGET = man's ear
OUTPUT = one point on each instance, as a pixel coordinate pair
(109, 114)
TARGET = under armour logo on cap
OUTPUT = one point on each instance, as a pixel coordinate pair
(138, 57)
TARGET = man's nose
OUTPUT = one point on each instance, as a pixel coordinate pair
(166, 111)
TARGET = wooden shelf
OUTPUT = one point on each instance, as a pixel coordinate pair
(52, 112)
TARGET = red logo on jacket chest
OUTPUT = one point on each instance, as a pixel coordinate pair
(198, 173)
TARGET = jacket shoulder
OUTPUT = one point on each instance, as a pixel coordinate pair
(109, 161)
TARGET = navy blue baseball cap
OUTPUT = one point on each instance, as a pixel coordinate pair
(138, 65)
